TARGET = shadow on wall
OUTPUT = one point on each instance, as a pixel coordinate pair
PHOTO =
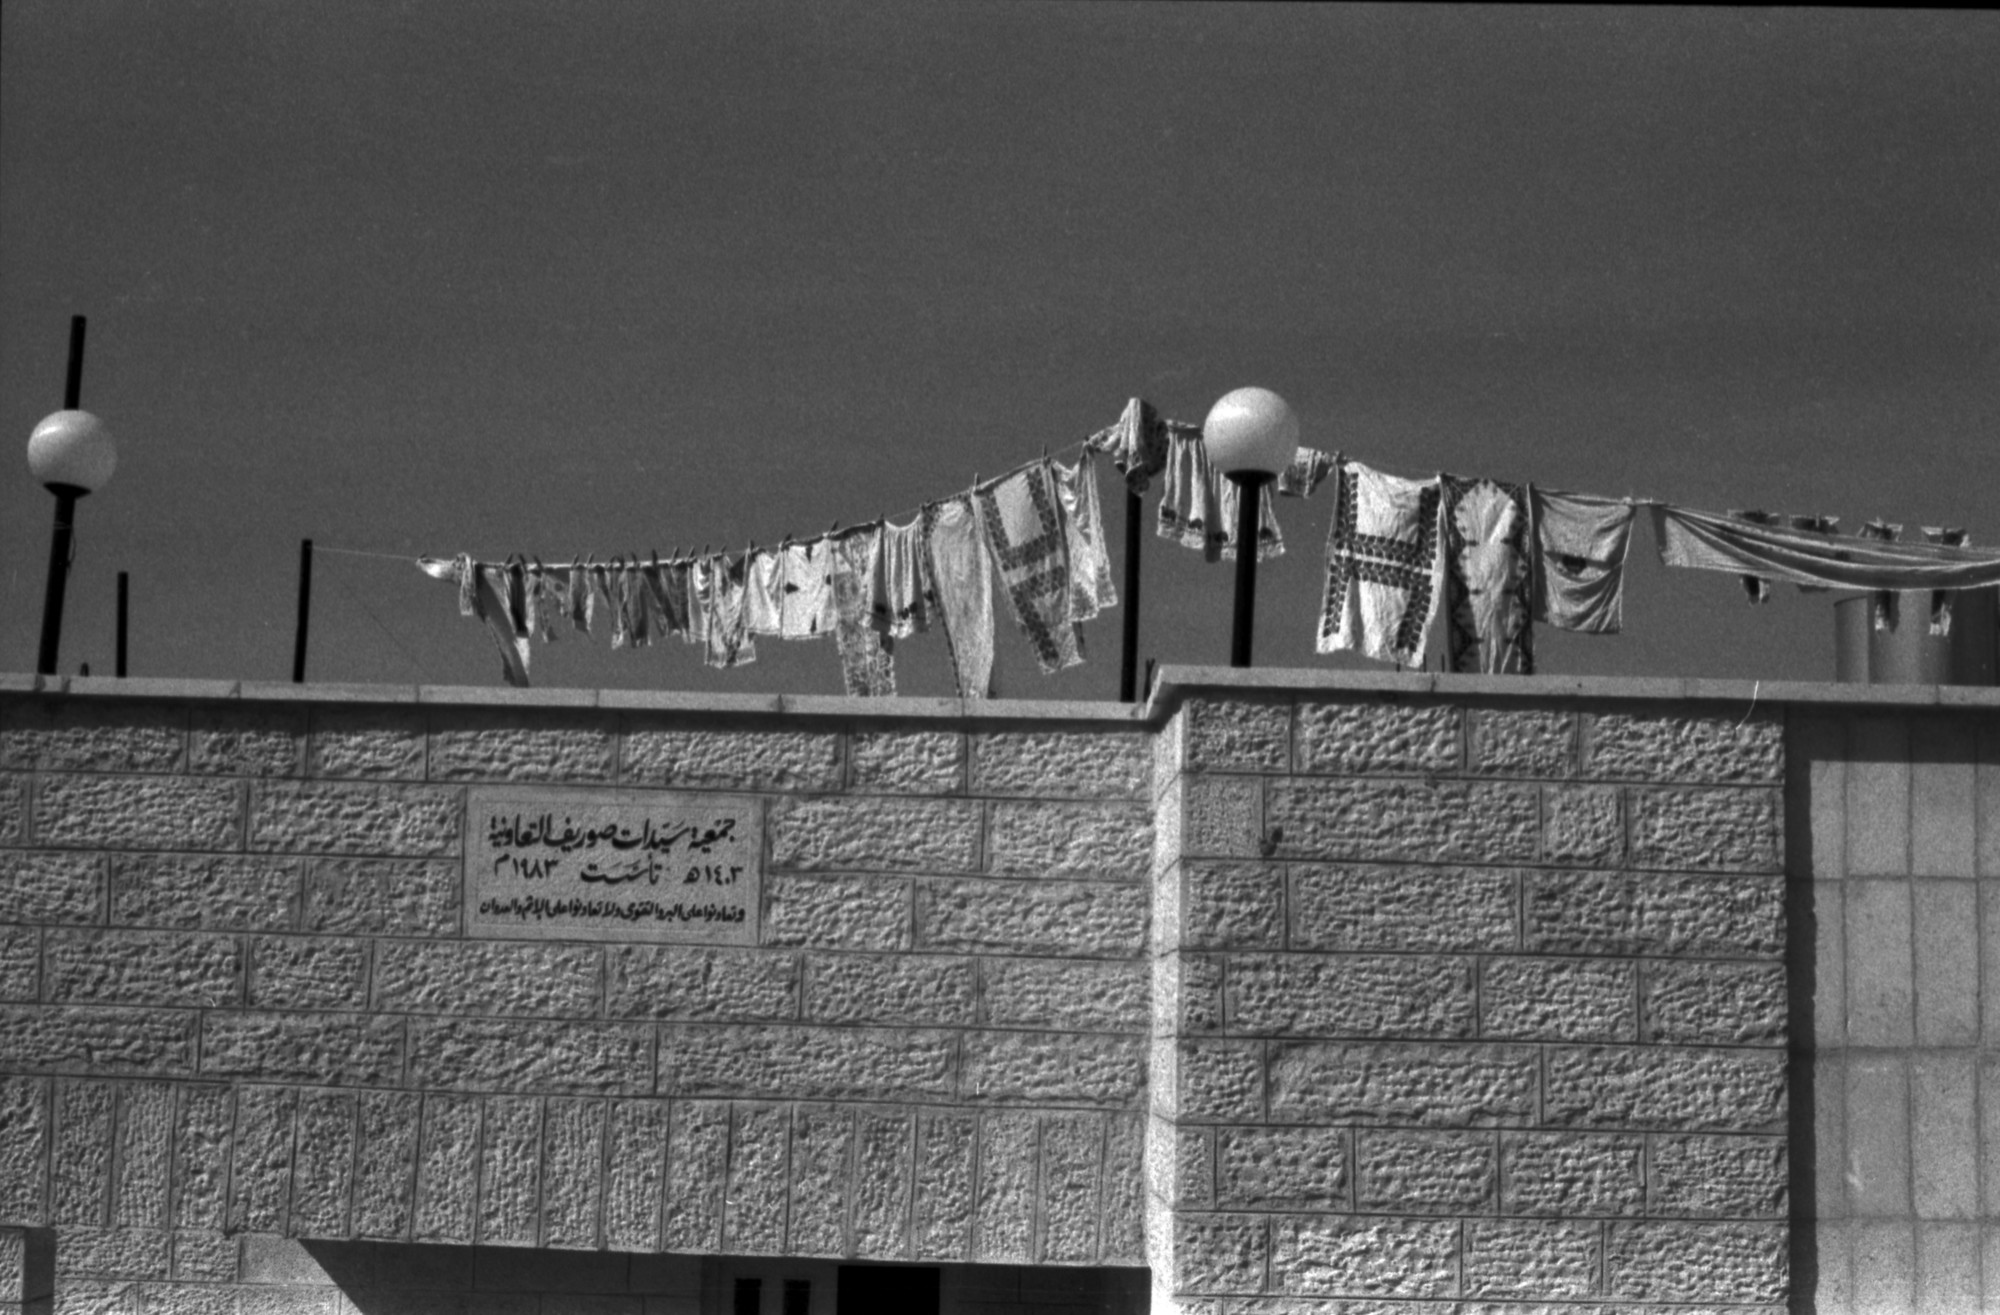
(1801, 984)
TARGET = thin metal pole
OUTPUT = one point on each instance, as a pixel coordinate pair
(73, 382)
(124, 597)
(1251, 487)
(59, 551)
(305, 610)
(1128, 659)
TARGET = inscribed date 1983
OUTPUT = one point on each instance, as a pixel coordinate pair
(625, 865)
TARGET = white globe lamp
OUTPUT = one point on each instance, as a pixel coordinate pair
(72, 449)
(1250, 435)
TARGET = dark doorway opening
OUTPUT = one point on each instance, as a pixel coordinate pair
(887, 1290)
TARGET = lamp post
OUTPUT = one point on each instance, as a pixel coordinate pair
(1250, 436)
(72, 453)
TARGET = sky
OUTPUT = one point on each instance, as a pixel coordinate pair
(594, 277)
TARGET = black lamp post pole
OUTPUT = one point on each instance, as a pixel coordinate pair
(1128, 660)
(1250, 487)
(65, 532)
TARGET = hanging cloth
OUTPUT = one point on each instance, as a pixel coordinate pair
(902, 601)
(1579, 566)
(1381, 566)
(867, 664)
(764, 592)
(1307, 470)
(1090, 585)
(487, 593)
(1022, 516)
(1714, 543)
(1755, 587)
(1199, 506)
(806, 584)
(728, 640)
(1950, 537)
(666, 585)
(1137, 444)
(1489, 575)
(961, 575)
(1883, 606)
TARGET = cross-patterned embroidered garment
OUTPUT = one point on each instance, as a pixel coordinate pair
(1381, 565)
(1022, 516)
(1489, 575)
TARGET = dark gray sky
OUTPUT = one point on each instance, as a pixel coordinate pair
(571, 277)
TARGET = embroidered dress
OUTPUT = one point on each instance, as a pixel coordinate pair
(1023, 519)
(1381, 566)
(1580, 544)
(867, 665)
(1199, 507)
(1090, 588)
(962, 577)
(1489, 576)
(902, 602)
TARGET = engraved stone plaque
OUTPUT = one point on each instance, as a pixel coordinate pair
(627, 865)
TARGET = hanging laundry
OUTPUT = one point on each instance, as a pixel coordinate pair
(1023, 520)
(1950, 537)
(1579, 567)
(1199, 506)
(724, 601)
(902, 602)
(1883, 606)
(1090, 585)
(666, 586)
(1489, 575)
(1756, 587)
(764, 592)
(1137, 444)
(1874, 561)
(1308, 468)
(1381, 566)
(1818, 525)
(548, 602)
(579, 597)
(867, 664)
(484, 592)
(962, 578)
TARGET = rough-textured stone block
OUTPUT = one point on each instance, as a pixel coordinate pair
(1231, 906)
(247, 741)
(80, 1174)
(1070, 841)
(1209, 1080)
(1026, 1068)
(1946, 939)
(202, 1144)
(1004, 1217)
(261, 1167)
(635, 1174)
(447, 1170)
(1558, 1000)
(697, 1183)
(822, 1151)
(1724, 1004)
(558, 1058)
(20, 963)
(386, 1170)
(838, 913)
(217, 892)
(1620, 913)
(1432, 1085)
(1062, 764)
(779, 1063)
(1236, 735)
(1692, 1090)
(647, 981)
(1583, 824)
(396, 821)
(508, 745)
(907, 762)
(381, 896)
(1723, 750)
(1350, 995)
(864, 834)
(1881, 977)
(510, 1171)
(942, 1207)
(1281, 1169)
(1523, 742)
(1122, 1240)
(125, 812)
(13, 808)
(1531, 1258)
(883, 1173)
(1712, 830)
(1072, 1162)
(1398, 1171)
(1740, 1262)
(1216, 816)
(1071, 918)
(731, 759)
(1404, 908)
(24, 1149)
(1944, 1135)
(62, 735)
(1423, 821)
(368, 743)
(339, 1049)
(573, 1172)
(205, 1257)
(1728, 1177)
(130, 1253)
(323, 1177)
(1331, 1255)
(1391, 737)
(145, 967)
(308, 972)
(52, 887)
(106, 1042)
(1065, 994)
(1572, 1175)
(917, 990)
(543, 980)
(145, 1143)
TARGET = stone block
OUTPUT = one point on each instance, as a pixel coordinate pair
(1722, 749)
(260, 1173)
(1684, 1090)
(107, 1042)
(1881, 977)
(1213, 816)
(20, 963)
(204, 1257)
(1716, 1004)
(1422, 996)
(635, 1174)
(875, 834)
(190, 969)
(1401, 1172)
(1065, 994)
(942, 1204)
(1878, 1135)
(246, 741)
(1819, 746)
(1885, 1264)
(1026, 1068)
(385, 1175)
(731, 759)
(1004, 1212)
(530, 980)
(1719, 1177)
(510, 745)
(1390, 737)
(202, 1144)
(126, 812)
(447, 1170)
(1655, 914)
(1986, 802)
(1072, 1166)
(647, 981)
(1236, 734)
(323, 1176)
(822, 1151)
(1829, 1132)
(510, 1171)
(145, 1162)
(1826, 923)
(1210, 1080)
(1417, 820)
(1878, 797)
(1280, 1169)
(1944, 1135)
(1989, 1129)
(891, 989)
(401, 821)
(392, 897)
(837, 913)
(1364, 1256)
(80, 1173)
(336, 1049)
(1070, 841)
(1583, 824)
(1945, 938)
(907, 762)
(1572, 1175)
(367, 743)
(573, 1172)
(1672, 1262)
(789, 1063)
(217, 892)
(1948, 1266)
(279, 1260)
(1707, 830)
(1428, 1085)
(63, 735)
(24, 1149)
(308, 972)
(1943, 797)
(1181, 1165)
(53, 887)
(1085, 919)
(1523, 742)
(754, 1206)
(1232, 906)
(1095, 764)
(113, 1253)
(1558, 1000)
(556, 1058)
(1121, 1239)
(1414, 907)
